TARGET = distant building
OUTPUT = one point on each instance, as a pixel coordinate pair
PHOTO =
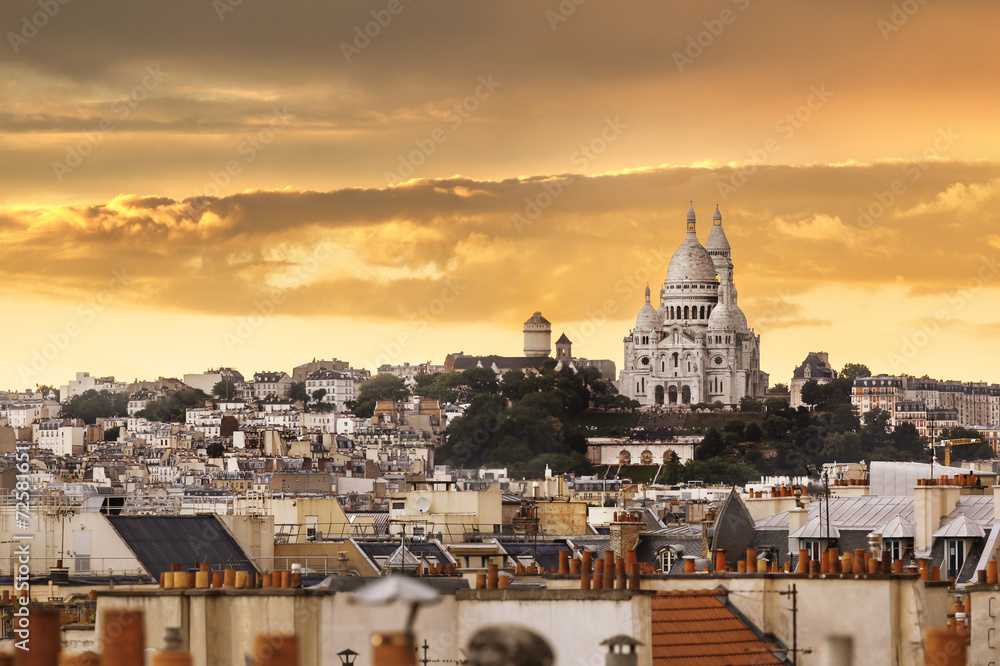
(206, 380)
(696, 346)
(816, 366)
(882, 392)
(277, 384)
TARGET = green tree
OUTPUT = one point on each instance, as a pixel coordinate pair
(224, 389)
(215, 450)
(852, 371)
(174, 408)
(92, 405)
(711, 446)
(480, 380)
(779, 388)
(875, 431)
(753, 433)
(297, 391)
(111, 434)
(382, 386)
(45, 389)
(750, 404)
(318, 395)
(812, 393)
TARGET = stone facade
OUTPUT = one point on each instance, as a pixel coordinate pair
(696, 346)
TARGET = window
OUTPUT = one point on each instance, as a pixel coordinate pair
(666, 558)
(812, 545)
(955, 553)
(892, 548)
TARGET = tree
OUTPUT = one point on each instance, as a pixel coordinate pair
(319, 394)
(111, 434)
(225, 388)
(779, 388)
(174, 408)
(92, 405)
(215, 450)
(852, 371)
(875, 431)
(753, 433)
(382, 386)
(812, 393)
(750, 404)
(45, 389)
(711, 446)
(480, 380)
(297, 391)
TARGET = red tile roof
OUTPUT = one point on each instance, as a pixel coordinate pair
(695, 628)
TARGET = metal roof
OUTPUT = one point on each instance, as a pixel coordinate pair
(899, 478)
(867, 512)
(158, 541)
(816, 528)
(960, 527)
(428, 549)
(897, 528)
(977, 508)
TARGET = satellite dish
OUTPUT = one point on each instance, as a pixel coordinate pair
(423, 504)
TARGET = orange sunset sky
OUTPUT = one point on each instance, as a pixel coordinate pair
(169, 171)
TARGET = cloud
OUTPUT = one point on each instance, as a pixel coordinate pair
(512, 244)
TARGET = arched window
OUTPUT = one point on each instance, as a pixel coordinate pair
(702, 312)
(624, 457)
(672, 312)
(667, 556)
(676, 359)
(686, 394)
(646, 457)
(687, 313)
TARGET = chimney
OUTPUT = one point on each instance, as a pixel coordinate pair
(930, 505)
(621, 651)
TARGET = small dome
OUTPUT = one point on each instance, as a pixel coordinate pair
(727, 316)
(648, 318)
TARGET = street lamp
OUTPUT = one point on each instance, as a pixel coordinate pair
(347, 656)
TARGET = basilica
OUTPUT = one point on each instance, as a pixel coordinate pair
(695, 347)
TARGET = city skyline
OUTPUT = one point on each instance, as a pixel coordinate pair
(253, 186)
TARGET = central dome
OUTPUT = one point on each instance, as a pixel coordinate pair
(691, 261)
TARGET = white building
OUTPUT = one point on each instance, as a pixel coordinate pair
(696, 346)
(338, 386)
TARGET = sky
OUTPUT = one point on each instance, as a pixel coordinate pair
(207, 183)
